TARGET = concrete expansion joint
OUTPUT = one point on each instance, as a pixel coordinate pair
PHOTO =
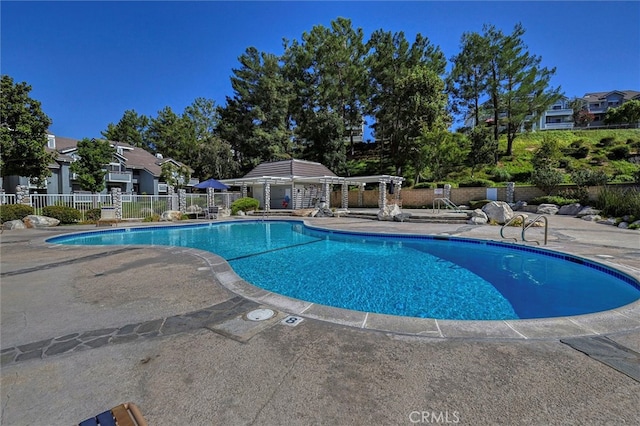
(93, 339)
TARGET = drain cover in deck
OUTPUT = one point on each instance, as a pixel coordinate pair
(260, 314)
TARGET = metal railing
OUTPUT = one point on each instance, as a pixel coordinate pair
(448, 204)
(525, 227)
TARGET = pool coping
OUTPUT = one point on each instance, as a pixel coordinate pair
(619, 320)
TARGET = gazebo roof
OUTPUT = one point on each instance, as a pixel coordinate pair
(288, 171)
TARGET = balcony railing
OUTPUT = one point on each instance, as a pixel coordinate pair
(557, 126)
(554, 112)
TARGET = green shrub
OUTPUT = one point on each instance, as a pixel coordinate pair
(547, 179)
(92, 215)
(598, 160)
(153, 218)
(623, 179)
(474, 183)
(618, 152)
(500, 174)
(581, 194)
(422, 185)
(553, 199)
(577, 149)
(478, 204)
(605, 142)
(14, 212)
(617, 202)
(65, 215)
(588, 177)
(244, 204)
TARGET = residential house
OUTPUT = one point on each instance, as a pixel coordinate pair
(132, 169)
(560, 114)
(598, 103)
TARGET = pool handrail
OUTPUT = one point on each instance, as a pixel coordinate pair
(526, 226)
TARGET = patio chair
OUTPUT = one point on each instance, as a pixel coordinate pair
(127, 414)
(212, 212)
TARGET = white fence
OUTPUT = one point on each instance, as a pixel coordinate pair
(133, 206)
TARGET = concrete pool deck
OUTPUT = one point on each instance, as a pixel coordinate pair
(87, 328)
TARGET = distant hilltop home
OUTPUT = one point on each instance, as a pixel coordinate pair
(559, 116)
(132, 169)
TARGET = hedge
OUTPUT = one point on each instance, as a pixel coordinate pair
(14, 212)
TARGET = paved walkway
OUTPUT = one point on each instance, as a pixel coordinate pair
(87, 328)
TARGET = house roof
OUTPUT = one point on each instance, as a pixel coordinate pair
(290, 169)
(627, 95)
(135, 158)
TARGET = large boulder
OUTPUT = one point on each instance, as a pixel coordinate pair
(478, 217)
(591, 217)
(570, 209)
(547, 209)
(322, 212)
(498, 211)
(170, 216)
(36, 221)
(588, 211)
(13, 224)
(519, 206)
(402, 217)
(388, 212)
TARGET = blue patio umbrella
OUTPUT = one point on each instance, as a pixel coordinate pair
(211, 183)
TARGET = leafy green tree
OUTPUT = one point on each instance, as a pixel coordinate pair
(90, 167)
(627, 113)
(468, 79)
(483, 148)
(547, 155)
(518, 87)
(324, 135)
(441, 152)
(255, 122)
(131, 129)
(408, 92)
(171, 135)
(174, 175)
(326, 69)
(211, 156)
(23, 138)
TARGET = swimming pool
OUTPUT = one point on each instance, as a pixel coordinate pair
(408, 275)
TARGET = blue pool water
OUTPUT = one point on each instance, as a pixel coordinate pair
(417, 276)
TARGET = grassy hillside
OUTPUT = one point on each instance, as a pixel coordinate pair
(612, 151)
(616, 152)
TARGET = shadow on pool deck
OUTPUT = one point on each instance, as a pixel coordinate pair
(86, 328)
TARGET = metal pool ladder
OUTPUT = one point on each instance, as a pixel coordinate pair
(525, 227)
(448, 204)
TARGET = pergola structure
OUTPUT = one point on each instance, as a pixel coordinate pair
(298, 184)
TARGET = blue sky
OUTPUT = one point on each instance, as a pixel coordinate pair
(88, 62)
